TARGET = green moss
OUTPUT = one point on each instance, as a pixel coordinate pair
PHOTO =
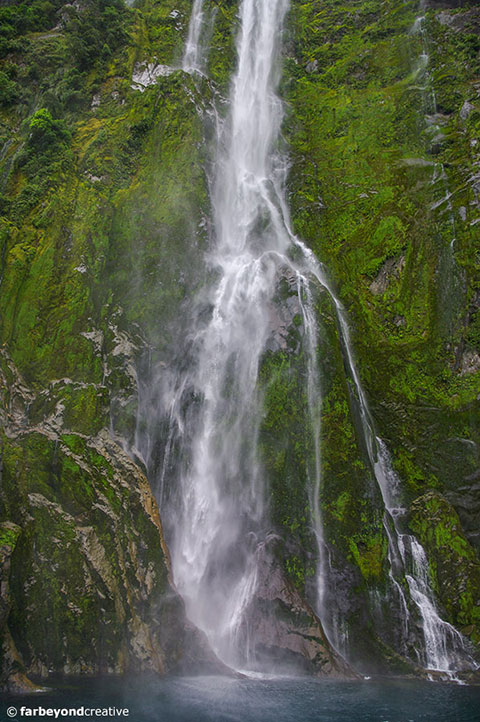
(102, 203)
(284, 436)
(75, 565)
(298, 572)
(153, 230)
(364, 188)
(164, 28)
(9, 534)
(83, 409)
(370, 555)
(221, 55)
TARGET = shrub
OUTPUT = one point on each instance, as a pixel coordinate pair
(8, 89)
(45, 131)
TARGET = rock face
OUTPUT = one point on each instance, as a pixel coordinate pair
(12, 674)
(145, 74)
(435, 4)
(283, 631)
(392, 267)
(86, 585)
(409, 288)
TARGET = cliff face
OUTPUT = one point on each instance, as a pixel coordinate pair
(383, 128)
(99, 184)
(104, 222)
(88, 587)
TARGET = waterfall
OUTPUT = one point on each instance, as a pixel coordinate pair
(192, 56)
(444, 646)
(444, 649)
(217, 509)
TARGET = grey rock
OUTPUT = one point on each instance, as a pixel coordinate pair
(466, 110)
(145, 74)
(12, 670)
(287, 633)
(391, 269)
(470, 362)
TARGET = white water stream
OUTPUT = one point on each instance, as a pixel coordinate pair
(192, 61)
(220, 507)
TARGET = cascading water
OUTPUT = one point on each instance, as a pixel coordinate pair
(444, 649)
(218, 513)
(192, 57)
(220, 510)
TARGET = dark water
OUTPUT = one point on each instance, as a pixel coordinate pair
(212, 699)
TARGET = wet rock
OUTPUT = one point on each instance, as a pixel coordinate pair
(467, 19)
(437, 143)
(453, 562)
(145, 74)
(286, 631)
(282, 313)
(469, 362)
(391, 269)
(12, 670)
(438, 119)
(444, 4)
(466, 501)
(466, 109)
(417, 162)
(90, 563)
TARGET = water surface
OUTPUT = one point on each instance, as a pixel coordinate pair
(215, 699)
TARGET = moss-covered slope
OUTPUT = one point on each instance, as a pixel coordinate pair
(382, 128)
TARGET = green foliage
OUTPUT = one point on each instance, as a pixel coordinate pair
(8, 90)
(19, 18)
(96, 30)
(87, 534)
(297, 572)
(102, 203)
(285, 437)
(361, 195)
(9, 534)
(98, 201)
(370, 554)
(221, 56)
(46, 132)
(46, 154)
(472, 335)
